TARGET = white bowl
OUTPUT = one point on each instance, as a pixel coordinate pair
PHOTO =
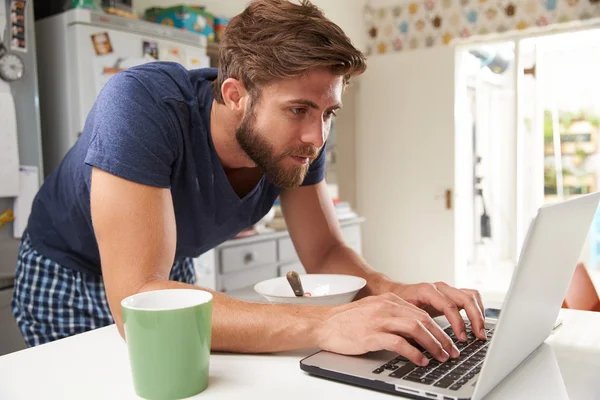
(324, 289)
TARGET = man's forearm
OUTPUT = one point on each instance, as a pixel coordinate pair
(244, 327)
(341, 259)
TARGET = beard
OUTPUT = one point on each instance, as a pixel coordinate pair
(262, 153)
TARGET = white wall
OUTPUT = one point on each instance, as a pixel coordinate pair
(348, 14)
(405, 164)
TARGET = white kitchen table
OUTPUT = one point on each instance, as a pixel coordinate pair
(95, 365)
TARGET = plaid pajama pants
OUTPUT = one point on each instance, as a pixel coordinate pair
(51, 302)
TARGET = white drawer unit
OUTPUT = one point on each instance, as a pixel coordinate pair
(249, 277)
(236, 258)
(241, 263)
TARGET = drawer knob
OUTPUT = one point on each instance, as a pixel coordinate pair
(249, 257)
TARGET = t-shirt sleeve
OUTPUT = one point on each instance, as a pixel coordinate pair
(132, 135)
(316, 171)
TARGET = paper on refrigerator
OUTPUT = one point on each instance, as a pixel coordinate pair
(28, 188)
(9, 150)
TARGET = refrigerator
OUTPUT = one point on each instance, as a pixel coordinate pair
(80, 50)
(20, 147)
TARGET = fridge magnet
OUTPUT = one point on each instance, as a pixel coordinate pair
(17, 6)
(18, 29)
(194, 62)
(151, 49)
(172, 53)
(102, 44)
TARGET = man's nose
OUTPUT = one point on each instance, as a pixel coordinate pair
(316, 134)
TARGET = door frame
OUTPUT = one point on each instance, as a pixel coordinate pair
(517, 37)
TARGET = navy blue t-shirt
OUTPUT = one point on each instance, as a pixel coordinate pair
(150, 124)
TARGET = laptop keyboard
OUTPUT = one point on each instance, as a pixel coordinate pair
(452, 374)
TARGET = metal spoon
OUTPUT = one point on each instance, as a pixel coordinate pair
(294, 281)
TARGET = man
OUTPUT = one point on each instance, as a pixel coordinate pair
(171, 163)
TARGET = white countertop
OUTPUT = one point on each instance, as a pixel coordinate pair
(95, 365)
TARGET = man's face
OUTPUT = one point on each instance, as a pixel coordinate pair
(284, 131)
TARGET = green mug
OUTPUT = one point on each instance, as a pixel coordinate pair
(168, 334)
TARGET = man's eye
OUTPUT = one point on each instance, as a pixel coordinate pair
(330, 114)
(298, 111)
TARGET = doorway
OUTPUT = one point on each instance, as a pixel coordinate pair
(528, 113)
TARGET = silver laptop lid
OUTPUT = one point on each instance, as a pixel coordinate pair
(538, 287)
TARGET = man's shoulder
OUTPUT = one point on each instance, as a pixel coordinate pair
(170, 79)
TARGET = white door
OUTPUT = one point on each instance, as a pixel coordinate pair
(405, 164)
(124, 50)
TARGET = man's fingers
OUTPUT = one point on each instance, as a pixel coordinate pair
(444, 304)
(470, 304)
(477, 297)
(413, 328)
(441, 336)
(399, 308)
(397, 344)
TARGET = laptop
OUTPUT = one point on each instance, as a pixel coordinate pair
(538, 286)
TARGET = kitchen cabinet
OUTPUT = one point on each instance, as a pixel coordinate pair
(240, 263)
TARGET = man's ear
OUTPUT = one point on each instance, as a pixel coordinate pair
(234, 94)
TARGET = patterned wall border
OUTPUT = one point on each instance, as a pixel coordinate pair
(429, 23)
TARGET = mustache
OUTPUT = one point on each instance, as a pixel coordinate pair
(306, 151)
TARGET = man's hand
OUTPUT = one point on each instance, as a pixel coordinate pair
(440, 298)
(384, 322)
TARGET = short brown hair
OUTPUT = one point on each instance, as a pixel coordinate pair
(276, 39)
